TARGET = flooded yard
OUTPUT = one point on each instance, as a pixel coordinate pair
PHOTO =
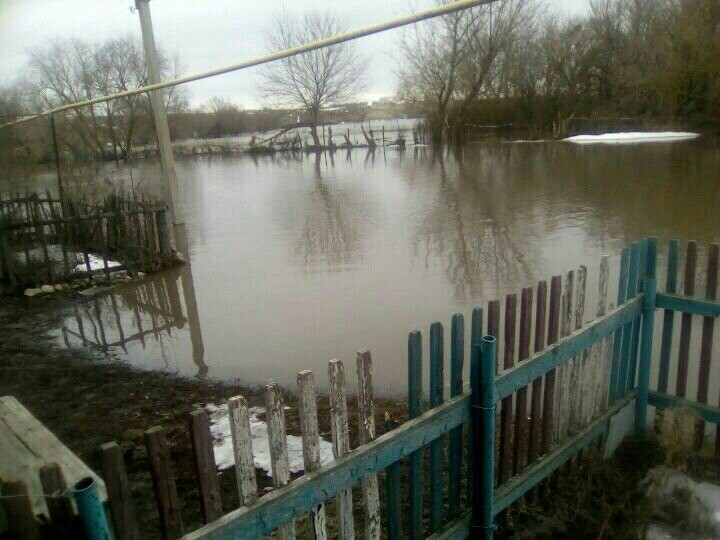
(297, 259)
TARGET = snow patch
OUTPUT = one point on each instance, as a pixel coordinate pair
(95, 263)
(633, 137)
(222, 442)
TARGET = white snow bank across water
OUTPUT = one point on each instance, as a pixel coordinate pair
(633, 137)
(222, 442)
(95, 263)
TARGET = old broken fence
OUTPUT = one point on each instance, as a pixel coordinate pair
(581, 384)
(45, 241)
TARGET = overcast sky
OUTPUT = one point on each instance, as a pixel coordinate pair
(206, 33)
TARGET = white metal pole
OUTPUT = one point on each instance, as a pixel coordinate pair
(167, 160)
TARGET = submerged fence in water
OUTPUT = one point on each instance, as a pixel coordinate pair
(46, 240)
(580, 384)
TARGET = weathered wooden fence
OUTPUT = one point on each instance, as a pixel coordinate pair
(582, 383)
(44, 240)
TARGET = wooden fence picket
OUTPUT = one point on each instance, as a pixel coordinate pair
(60, 507)
(537, 385)
(277, 440)
(366, 418)
(437, 447)
(549, 391)
(706, 344)
(164, 483)
(455, 438)
(242, 450)
(505, 460)
(122, 509)
(21, 522)
(341, 443)
(311, 444)
(205, 468)
(520, 440)
(562, 398)
(599, 354)
(415, 409)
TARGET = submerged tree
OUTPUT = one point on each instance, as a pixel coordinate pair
(315, 80)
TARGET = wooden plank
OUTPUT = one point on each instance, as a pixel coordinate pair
(341, 443)
(627, 339)
(578, 384)
(548, 427)
(686, 321)
(493, 325)
(537, 384)
(642, 271)
(242, 450)
(122, 509)
(668, 324)
(618, 337)
(58, 501)
(705, 412)
(311, 445)
(164, 483)
(393, 499)
(415, 409)
(706, 345)
(562, 398)
(506, 408)
(599, 370)
(455, 439)
(277, 440)
(366, 418)
(205, 468)
(691, 306)
(19, 511)
(437, 380)
(301, 495)
(35, 446)
(520, 438)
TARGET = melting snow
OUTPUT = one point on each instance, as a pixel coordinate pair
(633, 137)
(95, 263)
(222, 441)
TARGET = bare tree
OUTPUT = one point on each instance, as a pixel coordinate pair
(72, 70)
(316, 80)
(448, 63)
(227, 117)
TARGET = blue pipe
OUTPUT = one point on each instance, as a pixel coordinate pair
(91, 510)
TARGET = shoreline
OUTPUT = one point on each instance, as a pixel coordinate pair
(87, 399)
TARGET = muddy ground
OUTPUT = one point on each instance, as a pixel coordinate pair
(87, 398)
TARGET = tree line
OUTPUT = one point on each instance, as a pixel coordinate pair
(512, 62)
(517, 62)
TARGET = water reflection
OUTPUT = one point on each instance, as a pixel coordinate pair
(148, 314)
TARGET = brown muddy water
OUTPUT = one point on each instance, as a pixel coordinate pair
(299, 259)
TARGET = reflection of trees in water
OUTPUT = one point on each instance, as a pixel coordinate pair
(329, 232)
(464, 230)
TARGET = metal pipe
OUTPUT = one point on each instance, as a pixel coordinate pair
(439, 11)
(90, 509)
(483, 437)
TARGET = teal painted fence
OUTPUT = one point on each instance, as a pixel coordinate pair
(612, 358)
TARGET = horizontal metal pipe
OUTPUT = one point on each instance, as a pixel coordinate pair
(439, 11)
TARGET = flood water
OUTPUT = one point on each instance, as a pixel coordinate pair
(299, 259)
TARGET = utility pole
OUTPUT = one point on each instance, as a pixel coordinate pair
(157, 99)
(56, 151)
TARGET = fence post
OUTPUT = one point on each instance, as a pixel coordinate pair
(483, 437)
(648, 325)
